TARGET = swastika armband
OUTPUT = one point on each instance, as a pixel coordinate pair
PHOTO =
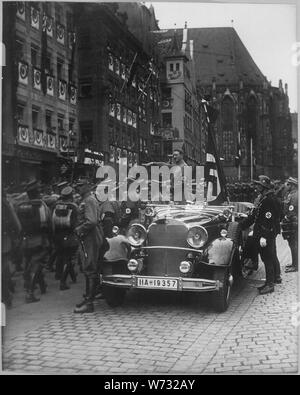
(291, 207)
(268, 215)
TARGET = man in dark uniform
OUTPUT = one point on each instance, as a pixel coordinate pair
(90, 234)
(35, 219)
(64, 220)
(290, 222)
(50, 200)
(11, 230)
(266, 220)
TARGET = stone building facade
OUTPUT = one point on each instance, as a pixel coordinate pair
(119, 93)
(253, 115)
(40, 118)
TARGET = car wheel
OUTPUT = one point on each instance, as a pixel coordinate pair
(220, 299)
(114, 297)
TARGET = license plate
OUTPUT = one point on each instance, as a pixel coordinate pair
(161, 283)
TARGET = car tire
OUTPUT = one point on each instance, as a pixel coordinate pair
(221, 298)
(113, 296)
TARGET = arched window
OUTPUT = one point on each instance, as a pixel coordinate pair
(227, 145)
(251, 117)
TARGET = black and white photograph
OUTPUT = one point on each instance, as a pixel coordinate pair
(149, 190)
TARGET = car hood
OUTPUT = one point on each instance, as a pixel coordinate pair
(190, 214)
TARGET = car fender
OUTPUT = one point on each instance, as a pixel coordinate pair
(220, 251)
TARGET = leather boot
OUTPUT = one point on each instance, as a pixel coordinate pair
(269, 288)
(81, 303)
(42, 284)
(261, 287)
(30, 298)
(73, 274)
(291, 269)
(63, 286)
(86, 295)
(87, 307)
(63, 281)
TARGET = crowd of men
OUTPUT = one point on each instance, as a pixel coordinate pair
(65, 227)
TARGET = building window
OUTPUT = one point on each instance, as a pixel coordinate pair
(70, 21)
(60, 122)
(20, 112)
(34, 56)
(71, 125)
(86, 128)
(227, 116)
(48, 119)
(58, 13)
(251, 117)
(60, 69)
(167, 120)
(177, 66)
(19, 48)
(171, 67)
(85, 39)
(85, 88)
(70, 72)
(35, 118)
(48, 8)
(166, 93)
(48, 64)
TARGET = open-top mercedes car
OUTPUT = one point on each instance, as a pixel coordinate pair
(181, 248)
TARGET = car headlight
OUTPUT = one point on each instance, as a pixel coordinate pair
(197, 236)
(136, 235)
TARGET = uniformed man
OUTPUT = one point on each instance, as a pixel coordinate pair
(91, 238)
(177, 160)
(11, 230)
(266, 220)
(35, 219)
(290, 222)
(51, 200)
(64, 220)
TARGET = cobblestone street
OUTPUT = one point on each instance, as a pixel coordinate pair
(155, 332)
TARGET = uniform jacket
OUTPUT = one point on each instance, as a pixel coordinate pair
(89, 229)
(291, 206)
(265, 217)
(66, 238)
(11, 227)
(40, 239)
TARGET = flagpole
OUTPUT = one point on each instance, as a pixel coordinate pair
(129, 71)
(239, 168)
(144, 87)
(217, 159)
(251, 158)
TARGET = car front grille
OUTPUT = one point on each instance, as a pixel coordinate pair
(164, 261)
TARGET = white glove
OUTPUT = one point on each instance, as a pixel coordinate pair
(263, 242)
